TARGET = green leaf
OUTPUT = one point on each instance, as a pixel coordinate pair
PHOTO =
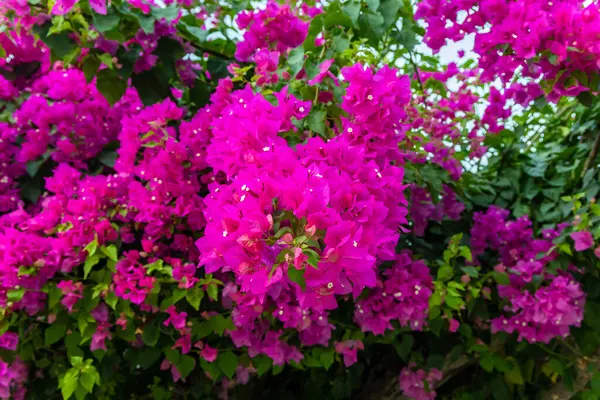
(105, 23)
(405, 346)
(146, 23)
(60, 44)
(217, 68)
(202, 329)
(297, 276)
(110, 251)
(227, 362)
(499, 389)
(200, 93)
(213, 291)
(68, 383)
(178, 294)
(15, 295)
(435, 361)
(373, 5)
(72, 345)
(185, 365)
(586, 98)
(89, 264)
(88, 379)
(34, 166)
(106, 59)
(111, 85)
(296, 60)
(340, 43)
(152, 85)
(592, 315)
(196, 32)
(514, 376)
(595, 384)
(80, 393)
(220, 324)
(148, 357)
(54, 333)
(536, 169)
(91, 247)
(445, 273)
(454, 302)
(311, 362)
(389, 9)
(487, 362)
(212, 368)
(316, 121)
(108, 158)
(335, 17)
(168, 13)
(471, 271)
(90, 66)
(501, 278)
(31, 191)
(352, 9)
(466, 253)
(327, 359)
(54, 296)
(111, 299)
(371, 26)
(262, 364)
(151, 333)
(313, 258)
(194, 297)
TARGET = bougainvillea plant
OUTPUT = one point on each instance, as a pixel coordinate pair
(299, 200)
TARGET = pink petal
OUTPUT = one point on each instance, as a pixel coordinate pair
(62, 7)
(99, 6)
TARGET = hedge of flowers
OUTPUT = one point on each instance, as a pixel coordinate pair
(203, 196)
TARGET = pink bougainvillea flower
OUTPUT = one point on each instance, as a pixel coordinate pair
(143, 5)
(209, 353)
(453, 325)
(62, 7)
(178, 320)
(349, 350)
(99, 6)
(323, 72)
(418, 384)
(9, 341)
(583, 240)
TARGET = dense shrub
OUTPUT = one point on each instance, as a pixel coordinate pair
(297, 200)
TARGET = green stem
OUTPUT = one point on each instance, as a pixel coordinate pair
(592, 156)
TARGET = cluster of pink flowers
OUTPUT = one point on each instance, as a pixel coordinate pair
(144, 197)
(349, 350)
(68, 117)
(376, 103)
(419, 384)
(423, 210)
(325, 210)
(13, 378)
(402, 295)
(553, 39)
(288, 225)
(277, 27)
(537, 315)
(437, 118)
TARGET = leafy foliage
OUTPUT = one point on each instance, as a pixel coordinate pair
(208, 199)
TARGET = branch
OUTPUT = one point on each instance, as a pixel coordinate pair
(414, 65)
(383, 383)
(211, 52)
(584, 375)
(592, 155)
